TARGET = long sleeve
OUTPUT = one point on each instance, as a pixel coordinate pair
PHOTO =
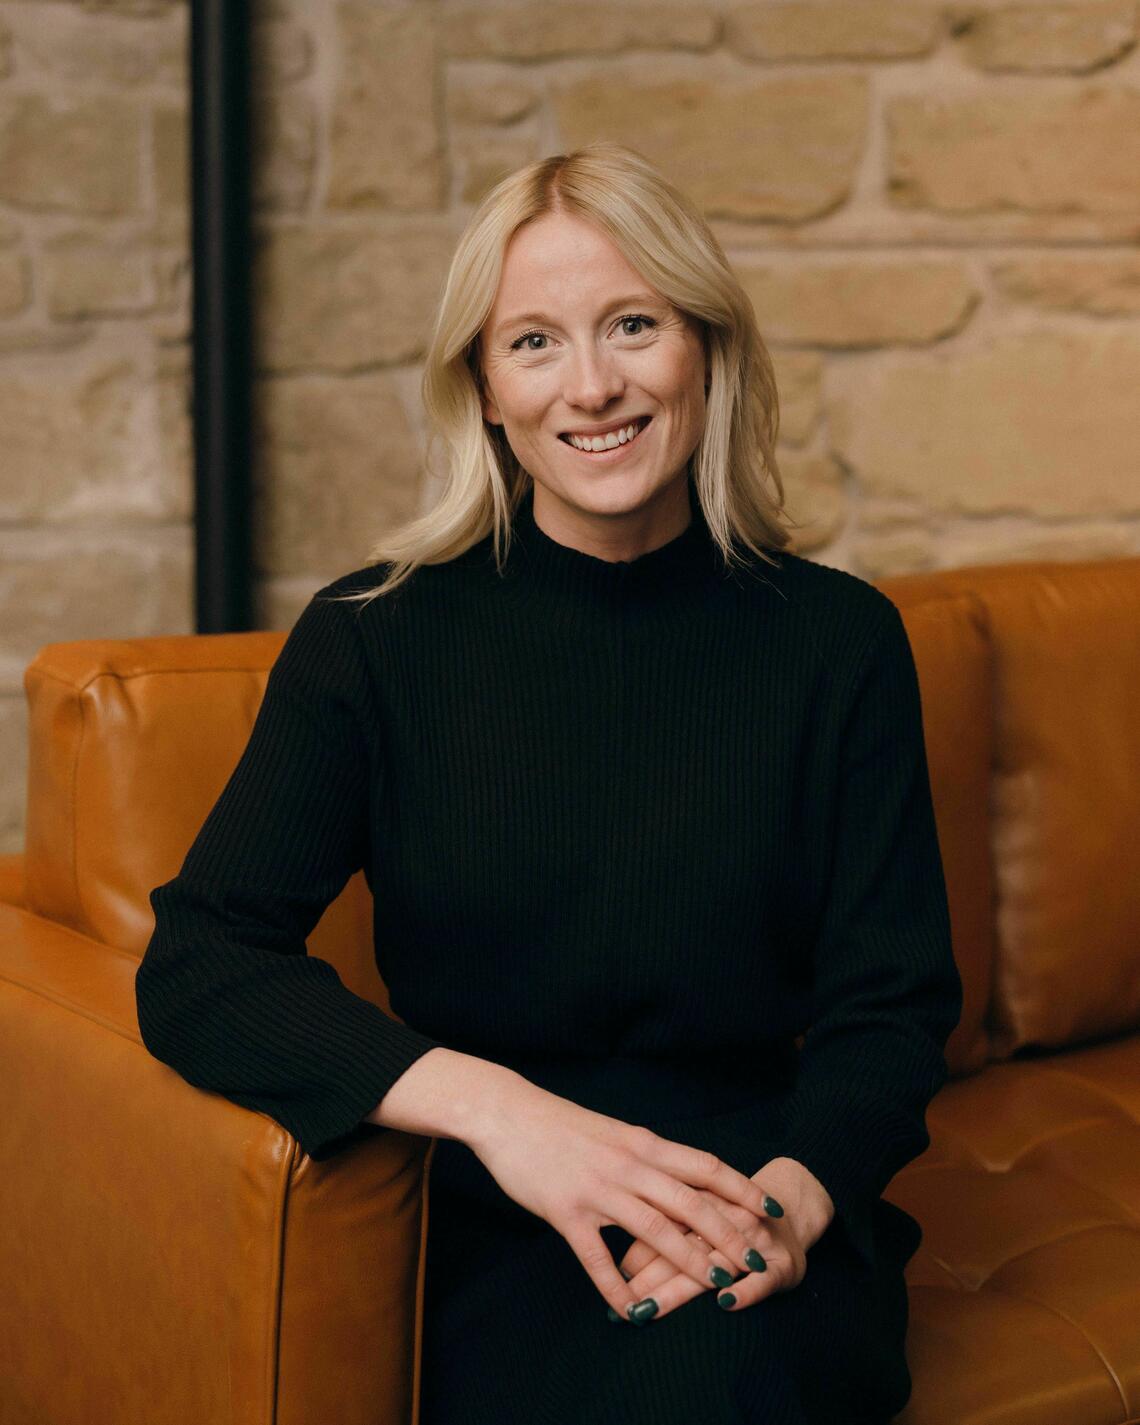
(886, 990)
(887, 993)
(226, 992)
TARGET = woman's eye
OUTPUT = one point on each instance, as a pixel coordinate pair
(528, 336)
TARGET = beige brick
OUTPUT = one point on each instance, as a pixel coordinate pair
(38, 339)
(476, 102)
(1037, 421)
(814, 498)
(884, 556)
(1106, 285)
(174, 394)
(1023, 146)
(84, 46)
(79, 154)
(785, 147)
(832, 29)
(86, 277)
(866, 302)
(284, 150)
(14, 779)
(385, 149)
(59, 585)
(283, 52)
(80, 441)
(538, 29)
(15, 283)
(1073, 38)
(171, 143)
(877, 514)
(315, 509)
(343, 299)
(136, 9)
(172, 277)
(1072, 541)
(798, 389)
(484, 159)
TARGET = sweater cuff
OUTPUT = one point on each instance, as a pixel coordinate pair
(852, 1143)
(328, 1122)
(746, 1139)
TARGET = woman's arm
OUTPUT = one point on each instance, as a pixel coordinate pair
(447, 1094)
(226, 993)
(887, 993)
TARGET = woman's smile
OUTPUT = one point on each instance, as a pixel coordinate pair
(611, 453)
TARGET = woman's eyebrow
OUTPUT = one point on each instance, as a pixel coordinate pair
(643, 299)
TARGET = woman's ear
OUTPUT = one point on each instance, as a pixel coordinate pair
(491, 412)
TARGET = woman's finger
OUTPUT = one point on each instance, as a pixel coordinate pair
(785, 1268)
(678, 1202)
(662, 1289)
(644, 1220)
(640, 1255)
(661, 1285)
(589, 1247)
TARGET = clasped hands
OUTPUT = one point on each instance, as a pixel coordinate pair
(794, 1213)
(689, 1212)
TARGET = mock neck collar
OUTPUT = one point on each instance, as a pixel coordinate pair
(677, 569)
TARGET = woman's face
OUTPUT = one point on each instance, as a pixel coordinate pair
(577, 342)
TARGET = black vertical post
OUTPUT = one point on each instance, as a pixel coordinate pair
(220, 204)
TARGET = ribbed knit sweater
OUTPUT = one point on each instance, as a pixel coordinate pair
(631, 828)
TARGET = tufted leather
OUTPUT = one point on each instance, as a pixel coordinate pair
(171, 1257)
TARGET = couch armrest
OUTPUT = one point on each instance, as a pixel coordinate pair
(172, 1257)
(12, 878)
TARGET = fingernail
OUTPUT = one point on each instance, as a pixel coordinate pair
(643, 1310)
(612, 1314)
(755, 1261)
(727, 1300)
(719, 1277)
(772, 1207)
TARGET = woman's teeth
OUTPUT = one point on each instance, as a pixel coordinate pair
(607, 442)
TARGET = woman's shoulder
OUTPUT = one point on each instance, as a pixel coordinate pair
(821, 591)
(425, 582)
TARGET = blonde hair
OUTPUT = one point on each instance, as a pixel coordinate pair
(664, 236)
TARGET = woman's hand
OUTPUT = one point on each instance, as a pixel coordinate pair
(806, 1211)
(581, 1170)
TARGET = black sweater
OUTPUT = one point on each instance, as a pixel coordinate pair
(631, 828)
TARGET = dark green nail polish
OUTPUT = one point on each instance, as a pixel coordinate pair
(643, 1311)
(727, 1300)
(772, 1207)
(612, 1314)
(719, 1277)
(755, 1261)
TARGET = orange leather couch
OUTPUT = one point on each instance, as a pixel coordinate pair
(171, 1258)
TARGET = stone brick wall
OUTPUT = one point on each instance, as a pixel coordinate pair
(934, 207)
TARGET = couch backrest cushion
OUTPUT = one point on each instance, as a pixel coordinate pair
(130, 744)
(949, 636)
(1066, 796)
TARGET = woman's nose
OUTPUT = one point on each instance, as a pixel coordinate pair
(593, 380)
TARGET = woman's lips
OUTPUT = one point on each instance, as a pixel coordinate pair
(615, 452)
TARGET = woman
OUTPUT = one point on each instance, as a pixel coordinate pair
(642, 800)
